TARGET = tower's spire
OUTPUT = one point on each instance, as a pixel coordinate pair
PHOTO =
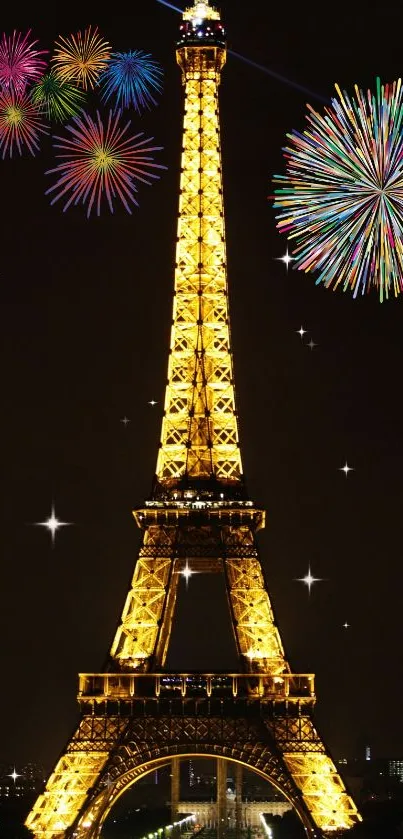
(201, 11)
(199, 440)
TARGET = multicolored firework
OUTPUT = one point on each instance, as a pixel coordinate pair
(19, 62)
(58, 100)
(131, 77)
(20, 123)
(342, 197)
(81, 58)
(100, 160)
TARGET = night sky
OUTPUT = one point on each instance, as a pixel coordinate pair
(85, 318)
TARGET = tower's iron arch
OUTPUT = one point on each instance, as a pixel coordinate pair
(134, 766)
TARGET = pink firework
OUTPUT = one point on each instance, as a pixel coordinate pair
(19, 62)
(101, 161)
(20, 123)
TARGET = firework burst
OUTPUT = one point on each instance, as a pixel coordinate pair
(341, 200)
(80, 59)
(101, 161)
(59, 100)
(131, 78)
(19, 62)
(20, 123)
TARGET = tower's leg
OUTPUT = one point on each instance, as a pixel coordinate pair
(238, 798)
(221, 798)
(175, 788)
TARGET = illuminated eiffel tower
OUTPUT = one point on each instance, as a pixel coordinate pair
(136, 717)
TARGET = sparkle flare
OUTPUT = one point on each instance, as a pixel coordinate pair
(53, 524)
(346, 469)
(341, 199)
(80, 59)
(131, 78)
(101, 161)
(309, 580)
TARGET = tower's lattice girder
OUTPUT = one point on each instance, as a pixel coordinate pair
(136, 717)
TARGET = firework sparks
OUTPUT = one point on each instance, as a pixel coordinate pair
(99, 161)
(58, 100)
(20, 123)
(131, 78)
(81, 58)
(19, 62)
(342, 197)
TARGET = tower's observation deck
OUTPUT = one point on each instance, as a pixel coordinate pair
(199, 441)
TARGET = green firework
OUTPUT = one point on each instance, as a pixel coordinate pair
(60, 100)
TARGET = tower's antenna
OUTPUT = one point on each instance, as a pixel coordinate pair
(200, 11)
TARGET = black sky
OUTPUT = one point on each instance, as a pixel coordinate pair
(85, 316)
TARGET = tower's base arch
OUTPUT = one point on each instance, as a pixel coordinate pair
(129, 765)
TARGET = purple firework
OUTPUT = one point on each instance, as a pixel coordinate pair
(99, 161)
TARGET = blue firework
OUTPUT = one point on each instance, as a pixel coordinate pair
(131, 78)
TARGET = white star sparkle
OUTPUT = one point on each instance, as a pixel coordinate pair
(14, 775)
(125, 421)
(346, 625)
(187, 573)
(152, 402)
(346, 469)
(301, 332)
(53, 524)
(286, 259)
(309, 580)
(311, 344)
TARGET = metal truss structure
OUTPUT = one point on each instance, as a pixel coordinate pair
(136, 717)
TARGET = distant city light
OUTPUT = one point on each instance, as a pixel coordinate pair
(268, 831)
(160, 830)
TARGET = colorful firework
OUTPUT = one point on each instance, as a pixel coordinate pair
(20, 123)
(342, 197)
(132, 78)
(19, 62)
(58, 100)
(81, 58)
(101, 161)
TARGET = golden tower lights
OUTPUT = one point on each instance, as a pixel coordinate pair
(200, 514)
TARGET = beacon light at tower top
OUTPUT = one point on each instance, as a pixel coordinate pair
(200, 12)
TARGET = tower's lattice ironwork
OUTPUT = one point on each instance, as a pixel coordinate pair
(136, 717)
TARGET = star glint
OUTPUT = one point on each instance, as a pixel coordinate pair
(187, 572)
(286, 259)
(53, 524)
(346, 469)
(309, 580)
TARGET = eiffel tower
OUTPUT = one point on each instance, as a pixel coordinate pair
(136, 716)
